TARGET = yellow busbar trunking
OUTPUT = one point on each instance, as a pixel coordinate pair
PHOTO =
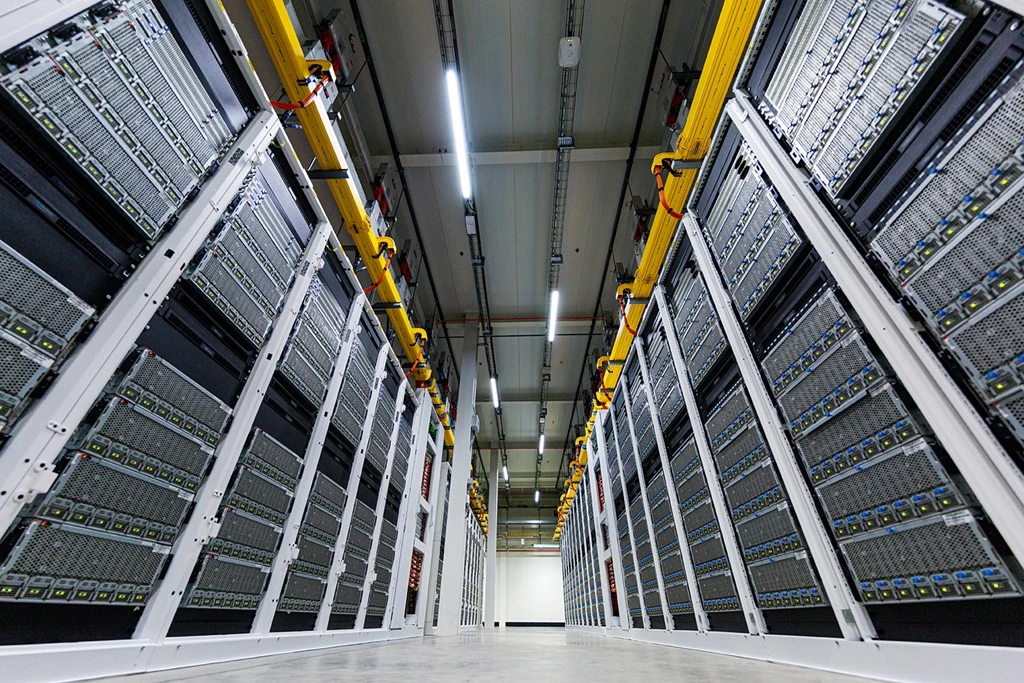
(275, 27)
(732, 32)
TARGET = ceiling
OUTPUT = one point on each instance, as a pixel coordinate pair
(511, 83)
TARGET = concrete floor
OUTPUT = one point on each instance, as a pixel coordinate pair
(516, 654)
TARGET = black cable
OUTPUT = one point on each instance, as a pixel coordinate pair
(401, 174)
(634, 142)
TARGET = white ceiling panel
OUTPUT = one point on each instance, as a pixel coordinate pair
(511, 82)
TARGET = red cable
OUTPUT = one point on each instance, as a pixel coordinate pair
(625, 318)
(375, 285)
(417, 361)
(664, 202)
(305, 102)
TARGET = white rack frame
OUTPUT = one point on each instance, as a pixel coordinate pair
(995, 479)
(46, 428)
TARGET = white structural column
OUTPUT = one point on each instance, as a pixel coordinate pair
(288, 549)
(453, 575)
(491, 574)
(996, 480)
(751, 612)
(40, 436)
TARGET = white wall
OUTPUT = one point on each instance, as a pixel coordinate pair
(530, 587)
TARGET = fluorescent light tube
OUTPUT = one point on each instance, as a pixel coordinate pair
(540, 445)
(551, 546)
(494, 392)
(459, 131)
(536, 496)
(553, 316)
(504, 471)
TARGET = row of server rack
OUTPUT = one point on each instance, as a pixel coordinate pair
(581, 562)
(204, 428)
(774, 462)
(474, 565)
(472, 613)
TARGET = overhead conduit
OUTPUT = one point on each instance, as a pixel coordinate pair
(732, 32)
(282, 43)
(566, 119)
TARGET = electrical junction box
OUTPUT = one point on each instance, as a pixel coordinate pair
(380, 228)
(340, 41)
(568, 52)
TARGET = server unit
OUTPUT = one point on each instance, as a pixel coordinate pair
(114, 90)
(125, 487)
(928, 182)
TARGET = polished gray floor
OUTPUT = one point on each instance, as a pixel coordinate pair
(517, 654)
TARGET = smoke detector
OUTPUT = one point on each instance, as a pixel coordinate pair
(568, 52)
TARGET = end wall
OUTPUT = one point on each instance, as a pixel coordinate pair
(530, 588)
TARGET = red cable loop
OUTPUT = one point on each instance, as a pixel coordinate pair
(375, 285)
(417, 361)
(625, 318)
(305, 102)
(664, 202)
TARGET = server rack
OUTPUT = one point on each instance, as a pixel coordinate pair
(645, 466)
(420, 522)
(180, 342)
(605, 463)
(954, 277)
(851, 225)
(605, 590)
(444, 484)
(618, 428)
(584, 601)
(475, 563)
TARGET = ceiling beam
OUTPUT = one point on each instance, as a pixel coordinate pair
(524, 397)
(530, 445)
(531, 322)
(532, 156)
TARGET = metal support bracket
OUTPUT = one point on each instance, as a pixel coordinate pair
(327, 174)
